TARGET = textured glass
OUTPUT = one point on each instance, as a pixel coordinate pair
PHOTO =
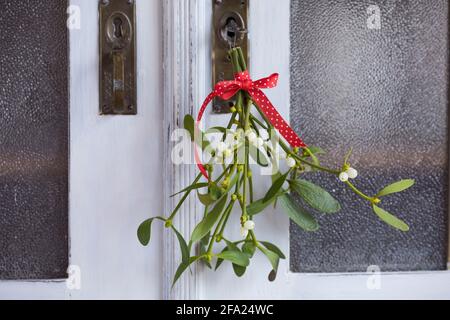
(33, 139)
(383, 92)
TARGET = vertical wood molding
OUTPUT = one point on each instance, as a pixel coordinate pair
(184, 84)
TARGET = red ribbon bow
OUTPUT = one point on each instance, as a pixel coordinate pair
(242, 81)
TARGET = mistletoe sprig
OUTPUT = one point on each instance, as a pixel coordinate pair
(250, 135)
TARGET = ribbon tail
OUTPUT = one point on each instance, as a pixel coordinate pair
(199, 163)
(276, 119)
(197, 136)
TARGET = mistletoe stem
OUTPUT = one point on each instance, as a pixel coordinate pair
(360, 193)
(246, 175)
(250, 184)
(218, 227)
(241, 59)
(228, 168)
(239, 65)
(258, 122)
(252, 235)
(230, 124)
(225, 221)
(313, 165)
(186, 194)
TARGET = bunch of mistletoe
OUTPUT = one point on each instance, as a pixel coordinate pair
(228, 184)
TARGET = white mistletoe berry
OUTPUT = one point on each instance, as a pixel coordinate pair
(249, 225)
(290, 162)
(352, 173)
(244, 232)
(343, 177)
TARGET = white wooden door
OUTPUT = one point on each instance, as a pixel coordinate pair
(115, 172)
(119, 175)
(270, 52)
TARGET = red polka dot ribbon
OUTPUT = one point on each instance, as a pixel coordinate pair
(242, 81)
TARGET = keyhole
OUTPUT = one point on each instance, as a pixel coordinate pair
(231, 29)
(118, 27)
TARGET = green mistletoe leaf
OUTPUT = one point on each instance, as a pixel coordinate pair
(235, 256)
(180, 270)
(238, 270)
(205, 199)
(390, 219)
(183, 246)
(219, 260)
(273, 259)
(298, 214)
(249, 248)
(208, 222)
(315, 196)
(194, 186)
(189, 125)
(312, 153)
(145, 229)
(316, 150)
(214, 194)
(183, 267)
(273, 248)
(276, 187)
(258, 206)
(396, 187)
(205, 240)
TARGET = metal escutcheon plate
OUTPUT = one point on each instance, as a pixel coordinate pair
(230, 23)
(117, 74)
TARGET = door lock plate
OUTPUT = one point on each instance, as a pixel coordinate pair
(230, 23)
(117, 74)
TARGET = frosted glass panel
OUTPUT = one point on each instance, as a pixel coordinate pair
(384, 92)
(33, 139)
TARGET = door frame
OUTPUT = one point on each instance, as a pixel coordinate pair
(187, 60)
(185, 81)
